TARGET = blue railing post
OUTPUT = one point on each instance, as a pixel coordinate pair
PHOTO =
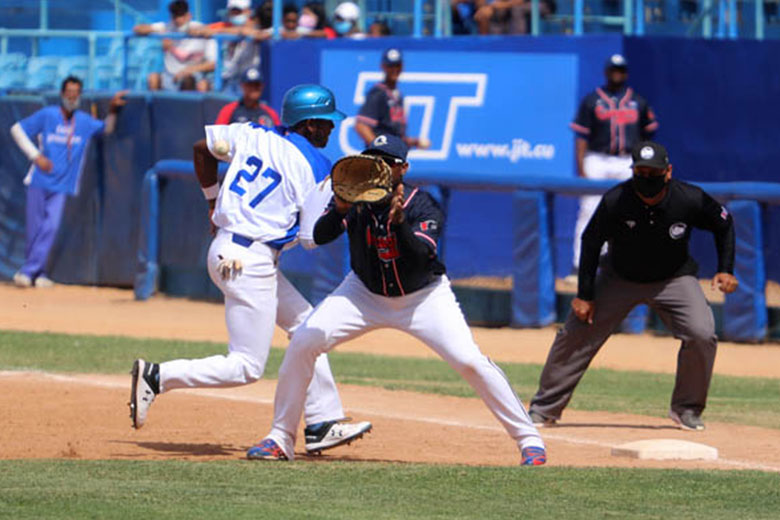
(535, 17)
(218, 62)
(417, 30)
(125, 59)
(721, 19)
(628, 15)
(276, 18)
(733, 15)
(438, 18)
(91, 42)
(759, 19)
(578, 8)
(706, 24)
(640, 17)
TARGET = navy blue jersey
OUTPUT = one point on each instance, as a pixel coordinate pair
(390, 259)
(384, 111)
(650, 243)
(613, 123)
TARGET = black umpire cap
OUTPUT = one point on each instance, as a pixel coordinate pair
(650, 154)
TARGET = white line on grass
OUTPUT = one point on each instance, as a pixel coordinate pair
(220, 394)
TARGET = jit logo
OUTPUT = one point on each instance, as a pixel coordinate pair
(475, 85)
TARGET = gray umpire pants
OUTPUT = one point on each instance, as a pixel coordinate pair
(681, 305)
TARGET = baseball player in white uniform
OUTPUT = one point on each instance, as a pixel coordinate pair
(272, 194)
(396, 281)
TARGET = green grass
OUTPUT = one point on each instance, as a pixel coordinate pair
(341, 490)
(753, 401)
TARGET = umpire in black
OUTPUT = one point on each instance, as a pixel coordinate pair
(647, 222)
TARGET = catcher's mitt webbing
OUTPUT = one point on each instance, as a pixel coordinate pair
(361, 178)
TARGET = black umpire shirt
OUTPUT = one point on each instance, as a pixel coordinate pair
(650, 243)
(390, 259)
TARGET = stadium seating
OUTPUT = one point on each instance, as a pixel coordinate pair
(42, 72)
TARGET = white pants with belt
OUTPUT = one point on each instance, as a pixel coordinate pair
(431, 314)
(598, 166)
(254, 300)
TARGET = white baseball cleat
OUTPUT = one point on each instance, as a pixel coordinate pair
(143, 389)
(44, 282)
(329, 434)
(22, 280)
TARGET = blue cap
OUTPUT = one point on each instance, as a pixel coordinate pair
(392, 56)
(252, 75)
(387, 144)
(617, 61)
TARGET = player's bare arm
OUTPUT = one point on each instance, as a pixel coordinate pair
(581, 147)
(206, 170)
(365, 132)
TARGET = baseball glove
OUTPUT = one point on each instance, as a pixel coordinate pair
(361, 178)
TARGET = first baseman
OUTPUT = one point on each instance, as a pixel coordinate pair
(396, 281)
(647, 222)
(272, 194)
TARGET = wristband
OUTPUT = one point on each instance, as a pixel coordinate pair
(211, 192)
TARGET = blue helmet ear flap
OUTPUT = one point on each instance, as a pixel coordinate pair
(309, 102)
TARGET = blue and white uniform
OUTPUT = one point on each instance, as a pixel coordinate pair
(272, 194)
(64, 142)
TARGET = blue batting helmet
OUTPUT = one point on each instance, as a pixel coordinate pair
(309, 102)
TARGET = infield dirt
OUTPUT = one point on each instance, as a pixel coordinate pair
(85, 416)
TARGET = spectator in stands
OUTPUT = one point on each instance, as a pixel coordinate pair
(187, 61)
(313, 23)
(378, 29)
(290, 19)
(290, 28)
(383, 112)
(463, 16)
(508, 16)
(346, 21)
(249, 107)
(63, 132)
(239, 55)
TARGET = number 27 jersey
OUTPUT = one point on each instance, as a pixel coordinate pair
(270, 177)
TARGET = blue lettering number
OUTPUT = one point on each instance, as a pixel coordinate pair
(257, 165)
(275, 180)
(243, 174)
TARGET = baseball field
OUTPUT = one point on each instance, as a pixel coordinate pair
(67, 449)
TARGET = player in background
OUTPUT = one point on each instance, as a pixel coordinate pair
(610, 122)
(647, 221)
(272, 194)
(250, 107)
(383, 112)
(396, 281)
(62, 133)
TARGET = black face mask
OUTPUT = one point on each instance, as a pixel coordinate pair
(649, 186)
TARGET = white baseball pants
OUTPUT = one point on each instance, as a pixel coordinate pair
(431, 314)
(598, 166)
(255, 299)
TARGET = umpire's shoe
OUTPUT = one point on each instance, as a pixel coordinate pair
(329, 434)
(687, 420)
(143, 389)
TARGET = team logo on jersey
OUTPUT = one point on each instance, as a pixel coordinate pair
(630, 224)
(429, 225)
(677, 230)
(724, 213)
(386, 246)
(646, 153)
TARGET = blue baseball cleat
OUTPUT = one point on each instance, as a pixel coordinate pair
(267, 449)
(533, 456)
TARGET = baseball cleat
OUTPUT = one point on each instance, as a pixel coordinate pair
(533, 456)
(267, 449)
(688, 420)
(143, 389)
(22, 280)
(540, 421)
(329, 434)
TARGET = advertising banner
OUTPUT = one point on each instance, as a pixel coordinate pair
(481, 111)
